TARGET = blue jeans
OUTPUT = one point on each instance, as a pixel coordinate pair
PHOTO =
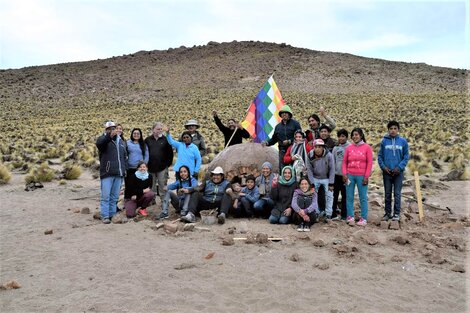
(263, 206)
(362, 190)
(110, 188)
(397, 182)
(328, 194)
(282, 219)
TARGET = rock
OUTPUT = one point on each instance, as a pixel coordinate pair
(319, 243)
(184, 266)
(97, 215)
(250, 238)
(294, 257)
(159, 225)
(401, 239)
(454, 226)
(370, 239)
(48, 232)
(262, 238)
(117, 219)
(322, 266)
(231, 230)
(395, 225)
(458, 268)
(384, 225)
(76, 210)
(342, 249)
(303, 237)
(453, 175)
(337, 241)
(12, 284)
(436, 259)
(85, 210)
(170, 228)
(396, 258)
(228, 241)
(188, 227)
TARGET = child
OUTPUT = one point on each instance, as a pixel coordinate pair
(304, 203)
(393, 157)
(234, 190)
(338, 155)
(248, 196)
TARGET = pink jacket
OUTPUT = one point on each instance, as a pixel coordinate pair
(357, 160)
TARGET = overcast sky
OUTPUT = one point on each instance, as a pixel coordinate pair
(38, 32)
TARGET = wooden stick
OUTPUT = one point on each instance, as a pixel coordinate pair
(270, 238)
(427, 204)
(418, 196)
(228, 142)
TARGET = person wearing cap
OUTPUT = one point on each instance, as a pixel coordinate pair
(197, 139)
(112, 155)
(187, 153)
(210, 195)
(229, 130)
(265, 182)
(297, 154)
(283, 133)
(321, 172)
(160, 159)
(314, 124)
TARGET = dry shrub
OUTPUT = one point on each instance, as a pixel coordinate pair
(72, 171)
(5, 174)
(42, 173)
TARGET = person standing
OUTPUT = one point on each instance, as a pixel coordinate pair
(197, 139)
(356, 169)
(392, 158)
(228, 130)
(339, 186)
(314, 125)
(160, 158)
(188, 153)
(137, 151)
(283, 133)
(112, 155)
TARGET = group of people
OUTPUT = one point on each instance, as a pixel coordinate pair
(314, 169)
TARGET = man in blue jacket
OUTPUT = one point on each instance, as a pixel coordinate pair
(393, 157)
(113, 155)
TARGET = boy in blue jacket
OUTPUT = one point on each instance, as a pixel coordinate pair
(393, 157)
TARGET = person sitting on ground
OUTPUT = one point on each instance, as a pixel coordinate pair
(234, 190)
(197, 139)
(330, 143)
(340, 187)
(314, 125)
(210, 195)
(297, 154)
(248, 196)
(188, 153)
(304, 203)
(321, 172)
(229, 129)
(138, 193)
(282, 196)
(179, 193)
(265, 182)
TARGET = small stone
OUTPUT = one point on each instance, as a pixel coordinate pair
(97, 215)
(48, 232)
(337, 241)
(342, 249)
(117, 219)
(403, 240)
(12, 284)
(396, 258)
(76, 210)
(159, 225)
(250, 238)
(384, 225)
(170, 228)
(188, 227)
(319, 243)
(228, 241)
(85, 210)
(322, 266)
(231, 230)
(395, 225)
(303, 237)
(294, 257)
(436, 259)
(184, 266)
(262, 238)
(458, 268)
(371, 239)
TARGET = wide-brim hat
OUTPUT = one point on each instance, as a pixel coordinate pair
(191, 123)
(218, 170)
(109, 124)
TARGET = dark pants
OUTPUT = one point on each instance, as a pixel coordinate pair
(198, 203)
(321, 199)
(141, 202)
(263, 207)
(282, 153)
(396, 182)
(244, 208)
(297, 219)
(339, 187)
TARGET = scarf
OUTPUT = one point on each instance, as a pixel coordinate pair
(299, 149)
(142, 176)
(289, 182)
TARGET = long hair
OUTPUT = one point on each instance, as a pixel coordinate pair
(141, 141)
(178, 176)
(360, 132)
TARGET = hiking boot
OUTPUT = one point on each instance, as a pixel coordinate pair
(396, 217)
(350, 220)
(301, 227)
(106, 221)
(307, 227)
(386, 217)
(362, 222)
(163, 215)
(221, 218)
(189, 218)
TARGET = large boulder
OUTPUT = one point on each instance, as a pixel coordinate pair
(244, 159)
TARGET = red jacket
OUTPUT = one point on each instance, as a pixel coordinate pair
(288, 158)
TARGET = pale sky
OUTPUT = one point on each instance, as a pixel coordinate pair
(39, 32)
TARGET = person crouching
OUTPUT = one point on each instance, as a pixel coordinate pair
(138, 193)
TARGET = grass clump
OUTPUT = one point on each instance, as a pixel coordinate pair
(41, 173)
(72, 171)
(5, 174)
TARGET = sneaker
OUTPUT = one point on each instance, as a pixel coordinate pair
(350, 220)
(336, 218)
(362, 222)
(143, 212)
(386, 217)
(221, 218)
(163, 215)
(106, 221)
(301, 227)
(189, 218)
(396, 217)
(183, 212)
(307, 227)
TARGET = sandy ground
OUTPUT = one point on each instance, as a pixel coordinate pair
(86, 266)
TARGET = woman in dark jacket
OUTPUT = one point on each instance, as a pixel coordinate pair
(282, 196)
(138, 193)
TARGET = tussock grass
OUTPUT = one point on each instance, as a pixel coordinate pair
(72, 171)
(5, 174)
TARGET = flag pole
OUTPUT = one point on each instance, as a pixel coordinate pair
(236, 128)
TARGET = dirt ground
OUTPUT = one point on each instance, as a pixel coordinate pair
(86, 266)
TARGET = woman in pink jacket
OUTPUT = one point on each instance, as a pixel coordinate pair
(357, 166)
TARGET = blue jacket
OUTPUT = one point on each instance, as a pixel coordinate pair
(112, 155)
(251, 195)
(212, 192)
(393, 153)
(135, 154)
(187, 155)
(180, 184)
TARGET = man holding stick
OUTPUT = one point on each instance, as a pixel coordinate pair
(233, 132)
